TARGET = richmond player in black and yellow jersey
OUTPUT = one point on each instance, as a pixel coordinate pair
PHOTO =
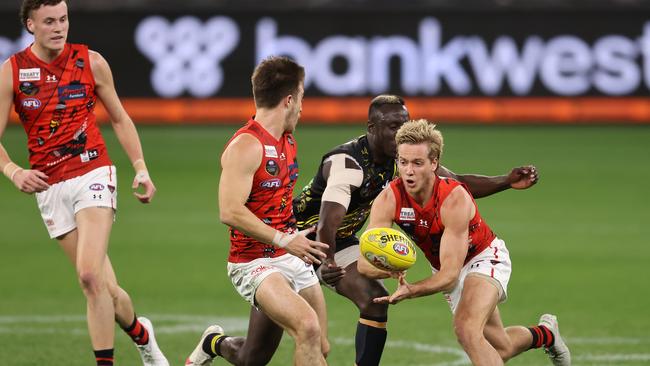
(338, 201)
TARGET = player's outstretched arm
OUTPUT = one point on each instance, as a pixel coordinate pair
(122, 125)
(522, 177)
(456, 213)
(381, 215)
(27, 180)
(239, 162)
(343, 175)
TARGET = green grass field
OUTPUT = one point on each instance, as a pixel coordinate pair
(578, 241)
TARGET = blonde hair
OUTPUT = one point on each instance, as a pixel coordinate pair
(421, 131)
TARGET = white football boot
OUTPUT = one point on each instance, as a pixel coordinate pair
(559, 352)
(198, 357)
(150, 353)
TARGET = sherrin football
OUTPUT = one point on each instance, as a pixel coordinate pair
(387, 249)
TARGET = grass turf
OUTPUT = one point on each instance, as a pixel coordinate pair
(578, 241)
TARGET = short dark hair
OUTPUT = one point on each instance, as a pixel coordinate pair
(382, 100)
(275, 78)
(29, 5)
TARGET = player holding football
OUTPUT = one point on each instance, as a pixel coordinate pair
(53, 86)
(470, 264)
(270, 262)
(338, 199)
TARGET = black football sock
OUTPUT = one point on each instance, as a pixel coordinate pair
(212, 343)
(104, 357)
(542, 337)
(370, 339)
(137, 332)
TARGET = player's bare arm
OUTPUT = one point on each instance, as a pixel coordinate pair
(381, 215)
(343, 176)
(456, 213)
(522, 177)
(27, 180)
(123, 125)
(239, 162)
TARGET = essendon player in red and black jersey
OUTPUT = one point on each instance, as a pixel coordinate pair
(270, 265)
(53, 86)
(55, 102)
(470, 265)
(424, 224)
(270, 198)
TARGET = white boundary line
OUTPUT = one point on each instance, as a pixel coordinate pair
(188, 323)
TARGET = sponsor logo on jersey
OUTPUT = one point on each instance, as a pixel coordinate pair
(96, 187)
(272, 167)
(50, 79)
(71, 92)
(29, 74)
(270, 151)
(89, 155)
(271, 183)
(401, 248)
(31, 103)
(28, 88)
(407, 214)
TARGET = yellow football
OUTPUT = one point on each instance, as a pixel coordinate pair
(387, 249)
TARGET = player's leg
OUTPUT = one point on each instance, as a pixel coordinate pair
(509, 341)
(314, 296)
(513, 340)
(257, 348)
(285, 307)
(86, 247)
(139, 329)
(371, 329)
(477, 303)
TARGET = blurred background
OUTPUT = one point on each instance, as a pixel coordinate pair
(562, 84)
(471, 61)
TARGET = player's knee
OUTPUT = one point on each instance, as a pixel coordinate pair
(308, 330)
(466, 333)
(368, 307)
(91, 282)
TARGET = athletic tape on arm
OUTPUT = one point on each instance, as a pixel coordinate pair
(342, 178)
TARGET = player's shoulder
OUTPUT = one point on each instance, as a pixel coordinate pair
(457, 197)
(245, 142)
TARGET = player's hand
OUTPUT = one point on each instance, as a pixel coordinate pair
(142, 179)
(330, 273)
(523, 177)
(310, 251)
(30, 181)
(402, 292)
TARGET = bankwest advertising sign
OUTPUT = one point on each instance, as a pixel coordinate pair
(491, 66)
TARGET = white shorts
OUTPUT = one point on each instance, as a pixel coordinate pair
(493, 263)
(59, 203)
(247, 277)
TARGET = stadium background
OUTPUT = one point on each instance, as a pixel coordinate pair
(572, 99)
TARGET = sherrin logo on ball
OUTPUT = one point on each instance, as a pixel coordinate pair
(387, 249)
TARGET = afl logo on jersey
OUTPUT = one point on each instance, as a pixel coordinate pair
(271, 183)
(272, 167)
(31, 103)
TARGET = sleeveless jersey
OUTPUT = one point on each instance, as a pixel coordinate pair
(424, 225)
(55, 103)
(375, 178)
(271, 193)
